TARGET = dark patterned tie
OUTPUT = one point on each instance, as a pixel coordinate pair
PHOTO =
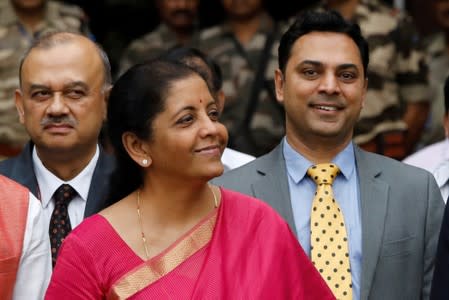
(60, 222)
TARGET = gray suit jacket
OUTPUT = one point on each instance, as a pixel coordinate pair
(401, 213)
(21, 170)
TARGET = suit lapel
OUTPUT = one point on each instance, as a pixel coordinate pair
(273, 185)
(99, 185)
(24, 173)
(374, 202)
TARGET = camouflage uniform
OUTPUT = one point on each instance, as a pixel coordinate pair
(150, 46)
(397, 73)
(438, 60)
(14, 40)
(239, 65)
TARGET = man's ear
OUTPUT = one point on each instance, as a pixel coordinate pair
(137, 149)
(19, 105)
(279, 85)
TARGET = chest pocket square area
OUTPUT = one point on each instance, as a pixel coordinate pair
(400, 247)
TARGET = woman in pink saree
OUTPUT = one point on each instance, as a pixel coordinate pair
(168, 234)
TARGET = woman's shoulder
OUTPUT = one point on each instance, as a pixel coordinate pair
(237, 198)
(248, 206)
(95, 220)
(92, 230)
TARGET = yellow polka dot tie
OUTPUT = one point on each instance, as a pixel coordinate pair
(328, 238)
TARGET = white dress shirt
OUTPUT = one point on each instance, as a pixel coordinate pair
(48, 183)
(435, 159)
(441, 174)
(232, 159)
(34, 269)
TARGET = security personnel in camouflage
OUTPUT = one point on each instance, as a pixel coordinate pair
(397, 101)
(438, 59)
(150, 46)
(437, 46)
(178, 27)
(253, 117)
(15, 37)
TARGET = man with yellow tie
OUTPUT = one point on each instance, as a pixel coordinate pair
(369, 223)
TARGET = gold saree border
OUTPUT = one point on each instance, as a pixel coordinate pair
(154, 269)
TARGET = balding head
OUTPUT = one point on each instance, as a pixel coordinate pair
(57, 38)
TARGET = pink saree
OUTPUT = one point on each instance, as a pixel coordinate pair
(14, 201)
(243, 250)
(176, 268)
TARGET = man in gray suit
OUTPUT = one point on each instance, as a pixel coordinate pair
(65, 80)
(392, 212)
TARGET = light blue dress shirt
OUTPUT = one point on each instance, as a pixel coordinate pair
(346, 193)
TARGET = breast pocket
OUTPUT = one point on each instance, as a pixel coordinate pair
(400, 247)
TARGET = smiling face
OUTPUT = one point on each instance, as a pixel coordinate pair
(187, 138)
(323, 88)
(61, 101)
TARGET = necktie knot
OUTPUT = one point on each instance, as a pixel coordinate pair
(323, 173)
(64, 194)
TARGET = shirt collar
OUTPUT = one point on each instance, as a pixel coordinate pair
(446, 149)
(297, 164)
(441, 172)
(49, 182)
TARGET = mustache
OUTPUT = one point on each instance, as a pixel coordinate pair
(51, 120)
(183, 12)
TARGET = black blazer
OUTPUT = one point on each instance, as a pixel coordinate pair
(20, 169)
(440, 288)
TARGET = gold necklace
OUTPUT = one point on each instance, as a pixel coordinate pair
(144, 240)
(139, 215)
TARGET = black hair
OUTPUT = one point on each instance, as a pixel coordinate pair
(200, 62)
(327, 21)
(136, 99)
